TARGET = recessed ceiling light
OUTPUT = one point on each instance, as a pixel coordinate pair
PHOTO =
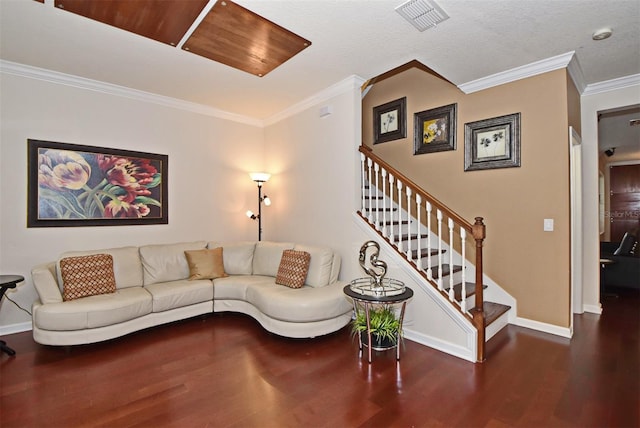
(601, 34)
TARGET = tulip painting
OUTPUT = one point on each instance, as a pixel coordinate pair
(81, 183)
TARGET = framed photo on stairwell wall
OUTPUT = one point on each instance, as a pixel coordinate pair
(492, 143)
(435, 130)
(390, 121)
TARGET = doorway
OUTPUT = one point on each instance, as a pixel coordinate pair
(624, 200)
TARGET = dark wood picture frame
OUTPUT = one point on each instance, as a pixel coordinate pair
(390, 121)
(75, 185)
(435, 130)
(492, 143)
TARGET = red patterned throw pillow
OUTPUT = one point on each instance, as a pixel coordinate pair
(87, 276)
(293, 269)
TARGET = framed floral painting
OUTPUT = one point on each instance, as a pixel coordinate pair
(75, 185)
(435, 130)
(390, 121)
(492, 143)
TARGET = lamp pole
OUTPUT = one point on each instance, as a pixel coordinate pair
(259, 210)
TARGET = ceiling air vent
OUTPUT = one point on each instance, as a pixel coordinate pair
(422, 14)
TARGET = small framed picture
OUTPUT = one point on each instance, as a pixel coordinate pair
(390, 121)
(435, 130)
(492, 143)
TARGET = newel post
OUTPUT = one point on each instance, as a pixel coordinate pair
(478, 231)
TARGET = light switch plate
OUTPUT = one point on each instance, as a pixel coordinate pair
(548, 225)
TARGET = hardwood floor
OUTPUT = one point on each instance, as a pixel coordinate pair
(224, 370)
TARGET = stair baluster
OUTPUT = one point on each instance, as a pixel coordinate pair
(384, 203)
(391, 180)
(463, 237)
(451, 291)
(439, 218)
(419, 222)
(408, 223)
(376, 168)
(370, 217)
(364, 179)
(399, 186)
(429, 246)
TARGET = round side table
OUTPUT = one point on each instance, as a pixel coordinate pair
(7, 282)
(367, 301)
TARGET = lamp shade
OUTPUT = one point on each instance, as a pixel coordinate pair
(260, 177)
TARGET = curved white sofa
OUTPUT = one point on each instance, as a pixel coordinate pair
(152, 288)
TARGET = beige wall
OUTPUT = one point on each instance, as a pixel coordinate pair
(314, 186)
(527, 262)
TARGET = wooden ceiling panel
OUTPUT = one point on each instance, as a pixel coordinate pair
(237, 37)
(166, 21)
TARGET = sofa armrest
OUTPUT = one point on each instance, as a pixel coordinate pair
(44, 281)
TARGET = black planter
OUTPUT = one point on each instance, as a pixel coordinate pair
(379, 343)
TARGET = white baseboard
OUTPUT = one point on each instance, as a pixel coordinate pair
(544, 327)
(594, 309)
(446, 347)
(15, 328)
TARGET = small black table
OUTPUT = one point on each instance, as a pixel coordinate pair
(368, 300)
(6, 282)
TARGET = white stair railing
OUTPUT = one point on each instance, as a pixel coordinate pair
(424, 231)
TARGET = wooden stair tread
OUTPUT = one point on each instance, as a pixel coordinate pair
(374, 209)
(393, 222)
(406, 237)
(493, 311)
(425, 253)
(470, 290)
(446, 270)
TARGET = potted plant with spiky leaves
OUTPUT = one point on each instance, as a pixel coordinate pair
(384, 326)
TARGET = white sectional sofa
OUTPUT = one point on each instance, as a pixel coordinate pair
(152, 287)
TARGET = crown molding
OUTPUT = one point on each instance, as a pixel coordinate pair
(522, 72)
(612, 85)
(576, 74)
(351, 83)
(31, 72)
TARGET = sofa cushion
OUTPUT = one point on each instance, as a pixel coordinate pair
(236, 256)
(235, 286)
(267, 255)
(627, 245)
(320, 266)
(293, 268)
(87, 276)
(306, 304)
(164, 263)
(127, 267)
(176, 294)
(205, 263)
(94, 311)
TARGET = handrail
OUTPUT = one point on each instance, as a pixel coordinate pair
(435, 202)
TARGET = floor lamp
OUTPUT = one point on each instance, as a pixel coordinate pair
(259, 178)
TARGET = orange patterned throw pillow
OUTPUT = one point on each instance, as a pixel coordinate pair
(87, 276)
(293, 269)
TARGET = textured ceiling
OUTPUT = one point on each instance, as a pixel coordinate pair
(357, 37)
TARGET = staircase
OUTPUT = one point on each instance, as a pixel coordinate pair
(411, 221)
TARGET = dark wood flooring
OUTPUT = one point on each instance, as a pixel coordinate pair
(224, 370)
